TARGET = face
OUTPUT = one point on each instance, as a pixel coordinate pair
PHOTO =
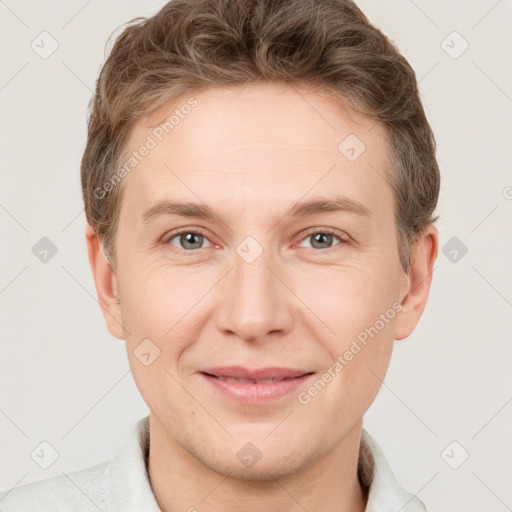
(246, 274)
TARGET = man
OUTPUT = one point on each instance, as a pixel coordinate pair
(259, 183)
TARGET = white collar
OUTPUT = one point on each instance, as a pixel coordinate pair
(127, 487)
(386, 494)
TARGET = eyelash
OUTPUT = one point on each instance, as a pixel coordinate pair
(326, 231)
(198, 231)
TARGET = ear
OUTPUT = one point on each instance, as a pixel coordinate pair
(417, 282)
(106, 284)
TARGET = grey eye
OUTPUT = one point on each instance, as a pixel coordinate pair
(321, 240)
(189, 240)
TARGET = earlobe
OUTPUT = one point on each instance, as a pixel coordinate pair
(105, 282)
(423, 256)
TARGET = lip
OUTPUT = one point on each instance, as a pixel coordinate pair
(285, 381)
(271, 372)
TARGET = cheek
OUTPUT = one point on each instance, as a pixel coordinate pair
(154, 302)
(354, 376)
(357, 311)
(163, 314)
(347, 302)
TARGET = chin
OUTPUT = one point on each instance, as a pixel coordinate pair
(257, 459)
(276, 468)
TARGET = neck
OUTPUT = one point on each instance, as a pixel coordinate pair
(181, 482)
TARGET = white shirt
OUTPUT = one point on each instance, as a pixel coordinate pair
(122, 484)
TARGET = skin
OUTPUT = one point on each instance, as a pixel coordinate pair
(249, 154)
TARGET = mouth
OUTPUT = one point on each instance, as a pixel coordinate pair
(250, 381)
(255, 386)
(239, 373)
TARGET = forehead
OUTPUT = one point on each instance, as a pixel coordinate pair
(268, 142)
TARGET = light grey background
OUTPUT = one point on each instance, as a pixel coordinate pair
(66, 381)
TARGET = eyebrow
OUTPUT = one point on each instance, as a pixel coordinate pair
(298, 209)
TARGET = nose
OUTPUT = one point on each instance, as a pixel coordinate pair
(254, 300)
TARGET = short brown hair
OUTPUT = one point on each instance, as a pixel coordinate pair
(327, 44)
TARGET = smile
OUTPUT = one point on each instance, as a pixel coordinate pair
(254, 387)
